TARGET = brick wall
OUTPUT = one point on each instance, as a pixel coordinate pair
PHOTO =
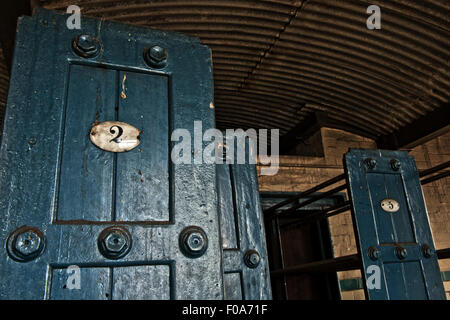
(437, 194)
(298, 173)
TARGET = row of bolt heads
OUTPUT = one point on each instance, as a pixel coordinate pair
(400, 252)
(87, 46)
(27, 243)
(372, 163)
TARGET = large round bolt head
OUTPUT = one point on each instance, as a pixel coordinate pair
(86, 46)
(371, 163)
(114, 242)
(252, 258)
(395, 164)
(156, 56)
(374, 253)
(427, 251)
(158, 53)
(25, 244)
(401, 253)
(193, 242)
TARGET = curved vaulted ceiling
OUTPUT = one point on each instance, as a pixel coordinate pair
(276, 62)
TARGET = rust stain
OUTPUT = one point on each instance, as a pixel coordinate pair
(122, 94)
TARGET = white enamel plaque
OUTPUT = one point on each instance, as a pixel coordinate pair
(115, 136)
(390, 205)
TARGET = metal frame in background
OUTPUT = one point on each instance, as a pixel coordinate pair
(343, 263)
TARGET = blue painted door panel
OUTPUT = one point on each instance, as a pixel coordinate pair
(242, 230)
(85, 181)
(399, 239)
(55, 181)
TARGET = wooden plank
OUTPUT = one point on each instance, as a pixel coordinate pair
(11, 10)
(345, 263)
(419, 131)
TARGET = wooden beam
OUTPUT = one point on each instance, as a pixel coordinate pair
(345, 263)
(303, 130)
(309, 126)
(11, 10)
(443, 253)
(419, 131)
(335, 124)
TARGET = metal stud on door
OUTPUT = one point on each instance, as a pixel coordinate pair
(85, 171)
(391, 225)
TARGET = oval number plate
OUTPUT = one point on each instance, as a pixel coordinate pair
(390, 205)
(115, 136)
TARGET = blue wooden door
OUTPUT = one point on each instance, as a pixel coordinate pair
(391, 225)
(136, 225)
(246, 267)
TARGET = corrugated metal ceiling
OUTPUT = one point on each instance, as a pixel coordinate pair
(275, 62)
